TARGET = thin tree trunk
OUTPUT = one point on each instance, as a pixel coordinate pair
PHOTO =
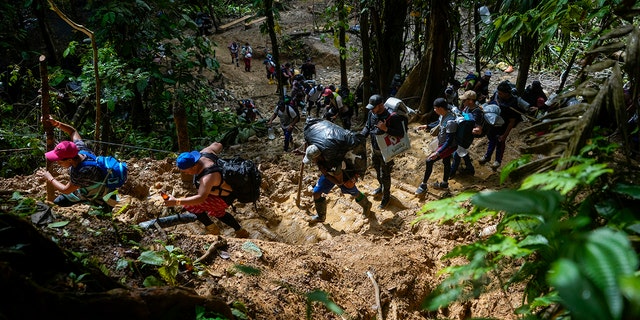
(268, 9)
(342, 16)
(48, 128)
(366, 59)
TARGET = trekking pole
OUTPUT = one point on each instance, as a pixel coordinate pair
(300, 181)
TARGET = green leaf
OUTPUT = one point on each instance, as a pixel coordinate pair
(323, 297)
(247, 269)
(543, 203)
(630, 190)
(152, 257)
(576, 292)
(58, 224)
(445, 209)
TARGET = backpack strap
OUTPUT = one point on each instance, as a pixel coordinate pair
(209, 170)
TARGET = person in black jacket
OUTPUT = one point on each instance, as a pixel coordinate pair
(381, 121)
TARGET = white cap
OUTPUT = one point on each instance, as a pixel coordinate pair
(312, 152)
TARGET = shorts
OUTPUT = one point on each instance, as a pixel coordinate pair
(324, 185)
(213, 206)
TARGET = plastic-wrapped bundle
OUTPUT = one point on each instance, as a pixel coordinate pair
(337, 144)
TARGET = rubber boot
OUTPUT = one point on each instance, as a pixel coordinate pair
(365, 204)
(321, 210)
(169, 221)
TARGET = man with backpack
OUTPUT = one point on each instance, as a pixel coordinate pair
(333, 173)
(233, 50)
(314, 99)
(469, 110)
(270, 68)
(87, 179)
(214, 194)
(447, 144)
(381, 121)
(498, 135)
(308, 69)
(289, 117)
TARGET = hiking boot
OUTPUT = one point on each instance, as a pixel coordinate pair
(495, 165)
(483, 160)
(366, 206)
(440, 185)
(422, 188)
(321, 210)
(377, 191)
(242, 233)
(384, 203)
(212, 229)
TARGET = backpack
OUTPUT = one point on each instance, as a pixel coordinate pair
(338, 144)
(491, 118)
(464, 135)
(470, 80)
(395, 105)
(241, 174)
(115, 171)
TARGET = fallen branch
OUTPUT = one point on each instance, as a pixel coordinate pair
(218, 243)
(377, 291)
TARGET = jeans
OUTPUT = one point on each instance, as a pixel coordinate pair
(445, 173)
(456, 162)
(496, 145)
(383, 172)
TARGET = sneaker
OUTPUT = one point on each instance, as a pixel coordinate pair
(242, 233)
(384, 203)
(483, 160)
(422, 188)
(377, 191)
(440, 185)
(495, 165)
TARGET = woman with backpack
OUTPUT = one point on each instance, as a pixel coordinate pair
(87, 180)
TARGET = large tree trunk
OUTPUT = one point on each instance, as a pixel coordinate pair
(389, 41)
(428, 79)
(527, 47)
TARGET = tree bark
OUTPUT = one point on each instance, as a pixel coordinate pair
(388, 26)
(366, 59)
(428, 79)
(48, 129)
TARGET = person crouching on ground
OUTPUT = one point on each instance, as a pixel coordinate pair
(332, 175)
(214, 194)
(87, 182)
(447, 127)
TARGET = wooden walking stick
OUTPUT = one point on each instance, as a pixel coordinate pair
(48, 129)
(300, 180)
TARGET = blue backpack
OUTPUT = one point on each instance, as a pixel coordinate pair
(115, 171)
(464, 134)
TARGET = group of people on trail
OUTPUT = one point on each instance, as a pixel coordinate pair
(246, 51)
(87, 181)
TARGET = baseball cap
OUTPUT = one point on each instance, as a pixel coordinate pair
(488, 73)
(374, 100)
(469, 94)
(327, 92)
(187, 160)
(64, 150)
(504, 86)
(312, 152)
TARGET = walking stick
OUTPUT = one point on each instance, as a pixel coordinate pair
(300, 180)
(300, 184)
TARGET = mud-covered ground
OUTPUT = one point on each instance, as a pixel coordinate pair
(296, 258)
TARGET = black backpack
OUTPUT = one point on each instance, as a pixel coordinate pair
(241, 174)
(464, 134)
